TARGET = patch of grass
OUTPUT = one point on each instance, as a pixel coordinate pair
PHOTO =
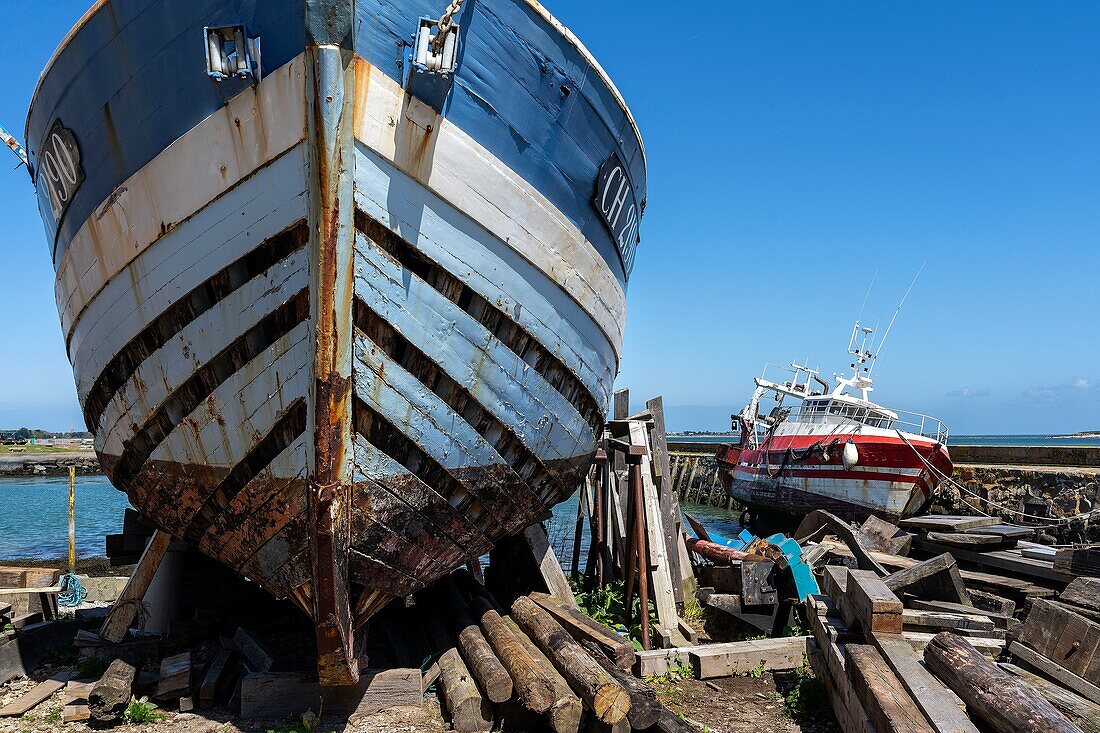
(806, 700)
(678, 670)
(607, 606)
(693, 611)
(141, 710)
(756, 672)
(54, 716)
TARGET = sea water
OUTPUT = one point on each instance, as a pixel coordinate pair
(34, 516)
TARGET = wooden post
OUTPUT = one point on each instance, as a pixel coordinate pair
(566, 712)
(470, 712)
(129, 601)
(582, 499)
(638, 542)
(683, 579)
(72, 519)
(1006, 703)
(606, 697)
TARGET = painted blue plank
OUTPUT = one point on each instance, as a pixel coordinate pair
(506, 386)
(133, 80)
(508, 96)
(490, 267)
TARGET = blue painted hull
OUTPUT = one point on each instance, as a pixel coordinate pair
(340, 336)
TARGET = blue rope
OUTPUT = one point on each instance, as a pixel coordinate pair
(72, 591)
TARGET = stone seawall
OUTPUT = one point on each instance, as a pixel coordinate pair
(48, 464)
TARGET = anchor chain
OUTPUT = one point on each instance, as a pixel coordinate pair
(446, 22)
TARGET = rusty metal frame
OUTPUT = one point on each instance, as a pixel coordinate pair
(330, 89)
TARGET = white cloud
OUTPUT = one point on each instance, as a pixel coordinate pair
(967, 392)
(1055, 391)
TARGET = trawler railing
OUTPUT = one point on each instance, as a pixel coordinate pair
(915, 423)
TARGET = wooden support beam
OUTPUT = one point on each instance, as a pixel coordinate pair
(1005, 703)
(549, 567)
(1065, 637)
(887, 704)
(1056, 672)
(876, 608)
(726, 660)
(126, 608)
(937, 579)
(1084, 592)
(939, 705)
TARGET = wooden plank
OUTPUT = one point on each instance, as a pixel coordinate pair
(998, 620)
(992, 648)
(882, 536)
(273, 695)
(887, 704)
(1006, 560)
(1066, 638)
(1079, 561)
(34, 696)
(940, 706)
(662, 593)
(935, 579)
(125, 609)
(582, 628)
(1083, 713)
(216, 678)
(1008, 531)
(947, 523)
(942, 620)
(1084, 592)
(725, 660)
(175, 677)
(874, 605)
(75, 713)
(549, 567)
(965, 539)
(1053, 671)
(671, 524)
(255, 650)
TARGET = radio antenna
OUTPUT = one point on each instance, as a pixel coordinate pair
(866, 296)
(905, 297)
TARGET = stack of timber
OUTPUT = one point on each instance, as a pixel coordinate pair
(635, 524)
(125, 548)
(27, 596)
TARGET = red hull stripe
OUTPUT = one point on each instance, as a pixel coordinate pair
(794, 473)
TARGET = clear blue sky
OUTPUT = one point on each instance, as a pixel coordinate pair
(794, 150)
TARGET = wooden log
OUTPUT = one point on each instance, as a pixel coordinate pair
(486, 668)
(175, 677)
(876, 608)
(126, 608)
(605, 696)
(644, 706)
(1082, 713)
(470, 712)
(670, 722)
(533, 686)
(111, 694)
(566, 712)
(1084, 592)
(34, 696)
(582, 628)
(1006, 703)
(937, 579)
(882, 697)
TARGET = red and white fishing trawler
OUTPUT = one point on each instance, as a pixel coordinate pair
(830, 447)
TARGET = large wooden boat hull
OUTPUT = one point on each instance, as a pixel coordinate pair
(891, 480)
(334, 336)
